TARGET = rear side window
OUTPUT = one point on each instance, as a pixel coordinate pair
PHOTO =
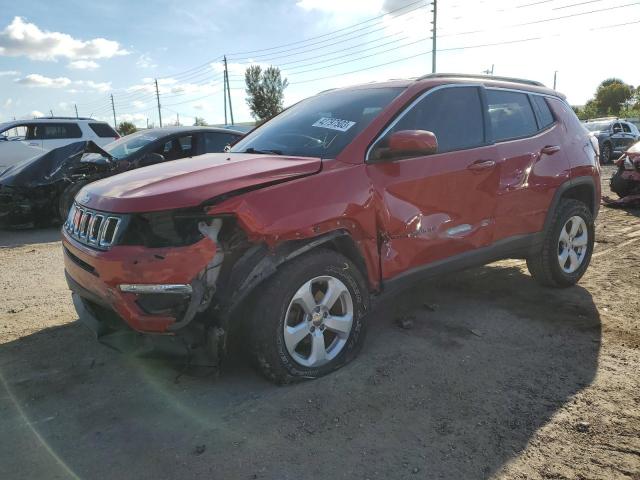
(454, 115)
(215, 142)
(103, 130)
(626, 128)
(55, 131)
(511, 115)
(542, 110)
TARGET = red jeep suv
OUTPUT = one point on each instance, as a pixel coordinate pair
(336, 199)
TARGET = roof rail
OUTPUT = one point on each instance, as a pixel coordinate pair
(482, 77)
(62, 118)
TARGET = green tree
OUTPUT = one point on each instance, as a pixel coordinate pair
(265, 91)
(199, 122)
(612, 96)
(126, 128)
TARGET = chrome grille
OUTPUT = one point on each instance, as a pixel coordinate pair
(96, 229)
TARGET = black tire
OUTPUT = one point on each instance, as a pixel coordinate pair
(270, 303)
(67, 196)
(606, 153)
(544, 265)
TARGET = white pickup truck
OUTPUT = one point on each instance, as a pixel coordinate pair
(22, 139)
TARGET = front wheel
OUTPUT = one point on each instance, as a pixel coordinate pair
(309, 318)
(567, 246)
(605, 154)
(67, 197)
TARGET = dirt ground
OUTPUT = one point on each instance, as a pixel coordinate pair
(498, 378)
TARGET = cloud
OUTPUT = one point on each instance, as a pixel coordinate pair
(37, 80)
(83, 65)
(20, 38)
(36, 113)
(138, 104)
(145, 61)
(339, 6)
(8, 102)
(9, 73)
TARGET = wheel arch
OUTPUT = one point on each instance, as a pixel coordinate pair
(579, 188)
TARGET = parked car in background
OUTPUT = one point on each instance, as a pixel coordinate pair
(614, 136)
(625, 182)
(22, 139)
(344, 195)
(40, 190)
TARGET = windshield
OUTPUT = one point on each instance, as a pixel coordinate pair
(597, 126)
(321, 126)
(125, 146)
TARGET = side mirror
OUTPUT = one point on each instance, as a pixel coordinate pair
(412, 143)
(150, 159)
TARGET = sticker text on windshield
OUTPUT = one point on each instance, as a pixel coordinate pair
(334, 124)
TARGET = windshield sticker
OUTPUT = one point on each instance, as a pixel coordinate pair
(334, 124)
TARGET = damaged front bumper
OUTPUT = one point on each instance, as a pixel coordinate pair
(137, 299)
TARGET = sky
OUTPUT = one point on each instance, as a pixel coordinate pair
(54, 55)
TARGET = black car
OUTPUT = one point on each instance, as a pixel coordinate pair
(39, 191)
(614, 136)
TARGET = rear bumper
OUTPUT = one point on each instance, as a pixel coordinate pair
(96, 276)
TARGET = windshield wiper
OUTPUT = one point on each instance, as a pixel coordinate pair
(253, 150)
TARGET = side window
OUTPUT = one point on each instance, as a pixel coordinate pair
(617, 128)
(55, 131)
(186, 144)
(626, 128)
(453, 114)
(543, 112)
(103, 130)
(215, 142)
(511, 115)
(176, 148)
(19, 132)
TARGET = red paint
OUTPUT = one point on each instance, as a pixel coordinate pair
(401, 214)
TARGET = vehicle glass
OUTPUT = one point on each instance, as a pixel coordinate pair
(544, 112)
(14, 133)
(511, 115)
(130, 144)
(626, 128)
(185, 143)
(215, 142)
(321, 126)
(454, 115)
(597, 126)
(617, 128)
(103, 130)
(55, 131)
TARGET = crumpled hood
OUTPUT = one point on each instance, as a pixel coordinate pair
(191, 181)
(51, 166)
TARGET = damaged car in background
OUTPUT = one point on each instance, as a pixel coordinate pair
(347, 194)
(625, 182)
(39, 191)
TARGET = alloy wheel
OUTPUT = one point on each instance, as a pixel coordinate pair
(573, 244)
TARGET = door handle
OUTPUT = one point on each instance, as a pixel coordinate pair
(550, 150)
(480, 165)
(33, 144)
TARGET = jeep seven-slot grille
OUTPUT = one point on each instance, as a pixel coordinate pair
(93, 228)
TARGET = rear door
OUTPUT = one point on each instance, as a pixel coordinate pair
(440, 205)
(54, 135)
(532, 160)
(629, 137)
(617, 137)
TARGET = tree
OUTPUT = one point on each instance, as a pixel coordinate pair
(126, 128)
(612, 96)
(265, 91)
(199, 122)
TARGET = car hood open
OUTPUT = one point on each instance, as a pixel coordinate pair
(192, 181)
(51, 166)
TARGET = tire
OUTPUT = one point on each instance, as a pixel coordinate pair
(66, 198)
(546, 265)
(278, 304)
(621, 186)
(605, 154)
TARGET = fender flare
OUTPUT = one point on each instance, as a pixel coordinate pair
(565, 187)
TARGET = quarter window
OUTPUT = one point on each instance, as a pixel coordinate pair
(103, 130)
(511, 115)
(542, 109)
(453, 114)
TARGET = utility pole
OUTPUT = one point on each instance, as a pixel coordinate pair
(177, 119)
(226, 78)
(113, 107)
(76, 107)
(434, 36)
(489, 71)
(555, 78)
(158, 98)
(224, 91)
(51, 112)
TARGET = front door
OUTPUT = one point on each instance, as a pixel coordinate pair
(436, 206)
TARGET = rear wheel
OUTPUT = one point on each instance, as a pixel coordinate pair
(605, 154)
(308, 319)
(567, 247)
(67, 196)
